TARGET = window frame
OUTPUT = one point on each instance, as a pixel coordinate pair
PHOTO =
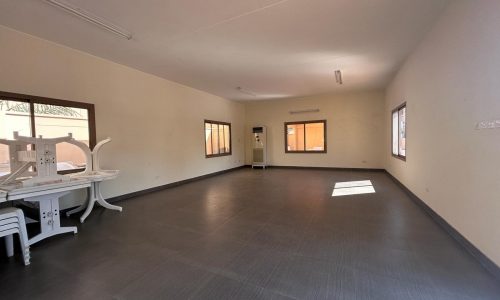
(32, 100)
(305, 150)
(397, 110)
(211, 122)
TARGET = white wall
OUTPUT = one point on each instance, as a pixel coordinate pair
(450, 83)
(141, 112)
(355, 129)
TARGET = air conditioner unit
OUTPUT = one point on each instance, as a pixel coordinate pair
(259, 144)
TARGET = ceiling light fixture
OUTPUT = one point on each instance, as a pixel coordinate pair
(338, 77)
(315, 110)
(91, 18)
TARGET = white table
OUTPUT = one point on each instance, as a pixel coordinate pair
(47, 195)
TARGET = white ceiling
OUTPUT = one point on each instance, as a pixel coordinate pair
(270, 48)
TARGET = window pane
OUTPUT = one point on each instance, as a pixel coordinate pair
(57, 121)
(215, 139)
(14, 116)
(295, 137)
(315, 137)
(208, 139)
(222, 148)
(402, 131)
(227, 138)
(218, 138)
(395, 133)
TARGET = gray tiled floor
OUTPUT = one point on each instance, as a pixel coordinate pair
(254, 234)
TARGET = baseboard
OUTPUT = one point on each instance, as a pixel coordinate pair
(325, 168)
(169, 185)
(487, 263)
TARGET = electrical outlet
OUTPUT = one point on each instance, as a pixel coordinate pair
(491, 124)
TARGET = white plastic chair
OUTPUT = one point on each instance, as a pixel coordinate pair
(12, 221)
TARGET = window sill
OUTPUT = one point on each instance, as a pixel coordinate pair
(218, 155)
(305, 152)
(403, 158)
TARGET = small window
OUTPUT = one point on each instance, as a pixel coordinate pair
(34, 116)
(399, 132)
(217, 138)
(305, 137)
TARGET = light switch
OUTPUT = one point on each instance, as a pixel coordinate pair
(488, 124)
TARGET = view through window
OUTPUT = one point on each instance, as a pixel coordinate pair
(305, 137)
(399, 131)
(32, 117)
(217, 138)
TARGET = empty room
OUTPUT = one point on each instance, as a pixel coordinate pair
(250, 149)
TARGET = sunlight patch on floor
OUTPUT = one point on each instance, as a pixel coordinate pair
(353, 188)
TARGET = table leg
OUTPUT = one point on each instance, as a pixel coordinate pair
(90, 203)
(50, 224)
(100, 198)
(95, 195)
(79, 208)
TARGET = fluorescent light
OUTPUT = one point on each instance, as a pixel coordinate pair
(91, 18)
(304, 111)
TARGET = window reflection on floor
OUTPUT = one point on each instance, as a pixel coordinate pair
(353, 188)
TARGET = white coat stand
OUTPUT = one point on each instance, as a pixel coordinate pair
(96, 176)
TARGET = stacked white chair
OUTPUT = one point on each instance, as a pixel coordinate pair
(12, 221)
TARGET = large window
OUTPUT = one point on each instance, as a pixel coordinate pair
(399, 132)
(35, 116)
(217, 138)
(305, 137)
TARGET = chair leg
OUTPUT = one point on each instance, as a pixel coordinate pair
(9, 245)
(25, 248)
(23, 238)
